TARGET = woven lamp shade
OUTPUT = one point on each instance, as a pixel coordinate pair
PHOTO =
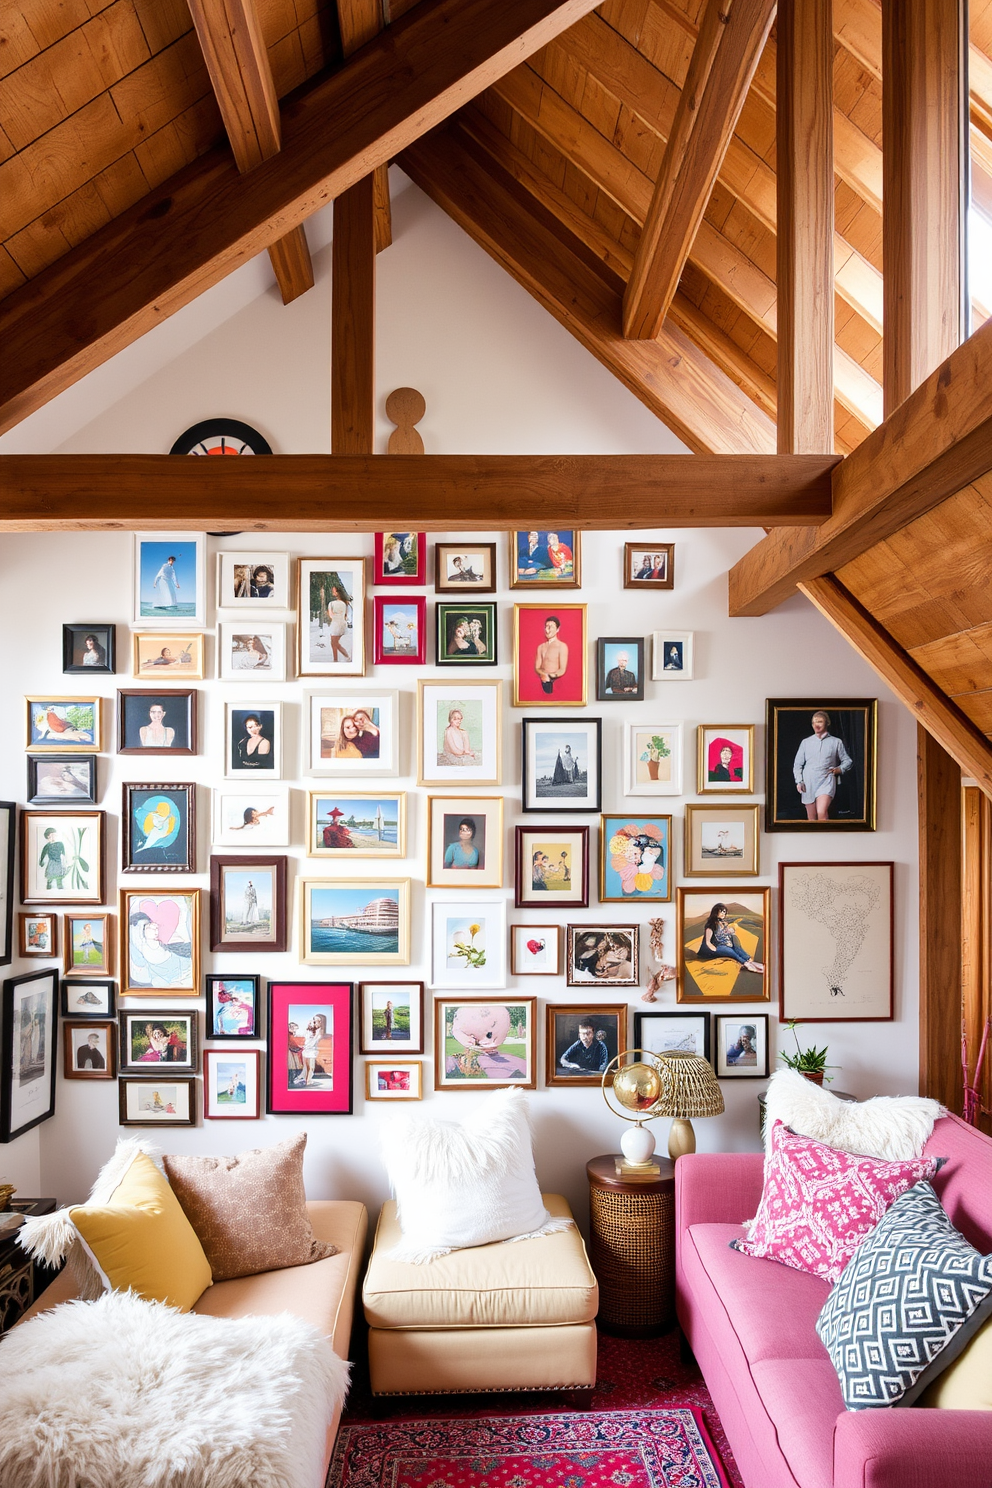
(690, 1087)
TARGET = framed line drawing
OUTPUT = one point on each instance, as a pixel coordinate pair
(170, 579)
(562, 764)
(391, 1017)
(822, 763)
(159, 658)
(721, 941)
(160, 942)
(232, 1084)
(463, 568)
(71, 725)
(330, 627)
(662, 1031)
(89, 649)
(29, 1013)
(741, 1046)
(725, 759)
(62, 857)
(484, 1042)
(652, 759)
(836, 942)
(248, 903)
(721, 841)
(158, 828)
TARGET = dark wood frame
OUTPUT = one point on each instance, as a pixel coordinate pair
(640, 1014)
(440, 1002)
(188, 865)
(633, 817)
(757, 1073)
(602, 696)
(125, 1083)
(869, 765)
(69, 1070)
(518, 863)
(380, 656)
(717, 893)
(101, 836)
(575, 582)
(150, 694)
(442, 586)
(785, 1016)
(218, 863)
(248, 1115)
(211, 1007)
(378, 548)
(69, 668)
(579, 1010)
(569, 805)
(33, 798)
(661, 547)
(8, 809)
(78, 983)
(633, 931)
(23, 949)
(441, 658)
(363, 1047)
(107, 918)
(7, 1133)
(128, 1066)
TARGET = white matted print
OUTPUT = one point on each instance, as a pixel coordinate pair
(464, 842)
(562, 764)
(331, 617)
(835, 941)
(394, 1079)
(469, 944)
(352, 734)
(255, 581)
(652, 759)
(535, 950)
(741, 1046)
(392, 1017)
(244, 817)
(231, 1086)
(459, 737)
(672, 655)
(246, 652)
(169, 579)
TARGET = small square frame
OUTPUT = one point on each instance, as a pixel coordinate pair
(369, 1044)
(581, 1012)
(665, 570)
(69, 1068)
(725, 864)
(382, 605)
(532, 898)
(213, 984)
(484, 612)
(70, 635)
(24, 948)
(580, 939)
(664, 666)
(546, 960)
(315, 849)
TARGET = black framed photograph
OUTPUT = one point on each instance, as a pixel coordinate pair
(158, 828)
(581, 1041)
(464, 568)
(156, 722)
(620, 668)
(602, 954)
(89, 997)
(562, 764)
(28, 1021)
(233, 1007)
(821, 764)
(664, 1031)
(163, 1101)
(89, 1050)
(8, 838)
(62, 779)
(158, 1039)
(465, 634)
(741, 1046)
(89, 648)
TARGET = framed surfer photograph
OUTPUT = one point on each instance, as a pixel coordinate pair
(821, 764)
(156, 722)
(741, 1046)
(253, 581)
(89, 1051)
(251, 817)
(648, 565)
(620, 669)
(562, 764)
(465, 634)
(356, 824)
(721, 841)
(580, 1042)
(160, 942)
(485, 1043)
(247, 652)
(549, 655)
(37, 933)
(157, 657)
(232, 1084)
(158, 1036)
(468, 943)
(253, 740)
(721, 939)
(545, 559)
(29, 1015)
(672, 655)
(352, 733)
(652, 759)
(233, 1010)
(8, 831)
(331, 617)
(67, 724)
(664, 1031)
(465, 842)
(460, 568)
(399, 630)
(835, 942)
(535, 950)
(163, 1101)
(355, 921)
(391, 1017)
(248, 903)
(602, 954)
(89, 649)
(394, 1079)
(158, 829)
(310, 1049)
(169, 579)
(87, 944)
(400, 558)
(635, 855)
(89, 997)
(725, 759)
(62, 857)
(551, 867)
(459, 736)
(62, 780)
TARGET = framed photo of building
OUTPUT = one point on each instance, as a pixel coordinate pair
(232, 1084)
(822, 765)
(156, 722)
(551, 867)
(157, 1037)
(310, 1049)
(352, 734)
(164, 1101)
(37, 934)
(233, 1008)
(725, 759)
(66, 725)
(484, 1043)
(722, 944)
(248, 903)
(355, 920)
(663, 1031)
(721, 841)
(465, 634)
(248, 652)
(741, 1046)
(464, 842)
(648, 565)
(836, 942)
(635, 855)
(89, 1050)
(620, 668)
(356, 824)
(549, 655)
(253, 581)
(672, 655)
(562, 764)
(602, 955)
(28, 1021)
(459, 733)
(89, 649)
(253, 814)
(392, 1017)
(400, 558)
(253, 741)
(158, 829)
(161, 658)
(545, 560)
(62, 780)
(331, 617)
(87, 944)
(581, 1041)
(169, 580)
(652, 759)
(62, 857)
(394, 1079)
(160, 942)
(535, 950)
(399, 630)
(468, 944)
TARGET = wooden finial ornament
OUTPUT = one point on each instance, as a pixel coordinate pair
(405, 407)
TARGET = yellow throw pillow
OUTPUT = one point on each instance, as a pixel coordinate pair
(967, 1383)
(142, 1241)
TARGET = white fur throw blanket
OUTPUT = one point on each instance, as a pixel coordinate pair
(890, 1126)
(122, 1393)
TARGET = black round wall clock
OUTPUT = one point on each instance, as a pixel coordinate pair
(221, 436)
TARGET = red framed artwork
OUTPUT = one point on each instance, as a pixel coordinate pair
(399, 630)
(310, 1048)
(400, 558)
(549, 655)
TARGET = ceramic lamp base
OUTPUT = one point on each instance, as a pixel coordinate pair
(637, 1145)
(681, 1138)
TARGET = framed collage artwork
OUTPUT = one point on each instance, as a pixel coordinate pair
(484, 1043)
(635, 858)
(604, 955)
(310, 1048)
(62, 857)
(562, 764)
(394, 1079)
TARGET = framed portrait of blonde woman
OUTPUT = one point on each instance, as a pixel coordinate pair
(459, 736)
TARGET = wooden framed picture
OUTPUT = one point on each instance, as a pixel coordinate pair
(581, 1041)
(89, 1050)
(248, 903)
(89, 649)
(253, 741)
(484, 1043)
(232, 1084)
(160, 942)
(89, 997)
(620, 669)
(664, 1031)
(821, 765)
(391, 1017)
(254, 814)
(158, 829)
(394, 1079)
(352, 734)
(233, 1009)
(400, 558)
(163, 1101)
(721, 841)
(725, 759)
(62, 780)
(67, 725)
(468, 944)
(603, 954)
(156, 722)
(331, 617)
(635, 855)
(310, 1049)
(87, 944)
(170, 579)
(545, 559)
(246, 652)
(349, 920)
(465, 634)
(535, 950)
(648, 565)
(462, 568)
(253, 581)
(37, 934)
(62, 857)
(399, 630)
(562, 764)
(155, 1037)
(465, 842)
(8, 824)
(672, 655)
(161, 658)
(549, 655)
(652, 759)
(835, 942)
(721, 942)
(459, 733)
(356, 824)
(741, 1046)
(551, 867)
(29, 1016)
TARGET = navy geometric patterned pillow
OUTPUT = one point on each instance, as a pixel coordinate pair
(912, 1296)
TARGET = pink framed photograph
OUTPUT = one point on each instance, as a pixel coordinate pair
(310, 1048)
(399, 630)
(400, 558)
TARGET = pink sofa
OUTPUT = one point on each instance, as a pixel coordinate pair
(751, 1325)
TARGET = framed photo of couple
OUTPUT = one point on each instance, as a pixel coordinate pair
(649, 565)
(542, 559)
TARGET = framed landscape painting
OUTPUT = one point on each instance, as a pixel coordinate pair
(356, 824)
(562, 764)
(169, 579)
(331, 617)
(721, 841)
(484, 1043)
(836, 942)
(310, 1049)
(722, 946)
(29, 1015)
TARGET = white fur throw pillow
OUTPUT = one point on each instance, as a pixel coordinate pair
(888, 1126)
(468, 1184)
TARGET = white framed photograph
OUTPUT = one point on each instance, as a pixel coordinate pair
(652, 759)
(741, 1046)
(535, 950)
(169, 580)
(244, 817)
(330, 607)
(253, 740)
(468, 944)
(253, 581)
(459, 735)
(245, 652)
(671, 655)
(352, 734)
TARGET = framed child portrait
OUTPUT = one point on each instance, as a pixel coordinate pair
(552, 867)
(87, 944)
(233, 1010)
(391, 1017)
(465, 634)
(156, 722)
(232, 1084)
(61, 779)
(253, 581)
(29, 1013)
(62, 857)
(67, 724)
(394, 1079)
(672, 655)
(460, 568)
(464, 842)
(157, 657)
(352, 733)
(251, 815)
(331, 617)
(155, 1037)
(581, 1041)
(400, 558)
(549, 655)
(356, 824)
(664, 1031)
(163, 1101)
(725, 759)
(648, 565)
(721, 942)
(620, 668)
(821, 764)
(158, 829)
(652, 759)
(468, 944)
(635, 858)
(399, 630)
(253, 740)
(545, 559)
(562, 764)
(248, 903)
(721, 841)
(89, 1050)
(89, 648)
(603, 954)
(484, 1043)
(535, 950)
(247, 652)
(459, 733)
(160, 942)
(88, 997)
(169, 579)
(38, 933)
(348, 920)
(310, 1049)
(741, 1046)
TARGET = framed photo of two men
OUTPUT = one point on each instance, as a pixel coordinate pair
(821, 762)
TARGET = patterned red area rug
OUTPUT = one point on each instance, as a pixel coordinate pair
(585, 1449)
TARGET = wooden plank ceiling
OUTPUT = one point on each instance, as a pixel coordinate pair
(103, 101)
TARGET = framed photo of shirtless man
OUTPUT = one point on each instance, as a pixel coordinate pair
(822, 761)
(549, 655)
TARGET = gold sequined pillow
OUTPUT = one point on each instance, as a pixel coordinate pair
(249, 1212)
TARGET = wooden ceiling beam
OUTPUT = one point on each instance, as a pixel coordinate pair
(201, 224)
(723, 62)
(353, 321)
(359, 22)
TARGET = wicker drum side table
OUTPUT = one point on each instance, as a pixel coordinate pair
(632, 1248)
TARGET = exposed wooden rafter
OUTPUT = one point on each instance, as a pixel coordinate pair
(359, 21)
(353, 321)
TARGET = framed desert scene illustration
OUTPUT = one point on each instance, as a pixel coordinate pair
(89, 648)
(672, 655)
(741, 1046)
(635, 858)
(251, 814)
(562, 764)
(652, 759)
(465, 634)
(468, 944)
(549, 655)
(67, 724)
(157, 657)
(484, 1043)
(391, 1017)
(664, 1031)
(232, 1084)
(399, 630)
(535, 950)
(253, 581)
(169, 579)
(158, 829)
(62, 780)
(253, 740)
(459, 735)
(155, 1037)
(721, 841)
(822, 764)
(160, 942)
(356, 824)
(725, 759)
(602, 954)
(310, 1049)
(87, 944)
(163, 1101)
(156, 722)
(462, 568)
(551, 867)
(836, 942)
(331, 617)
(248, 903)
(62, 857)
(89, 1050)
(464, 842)
(394, 1079)
(722, 946)
(246, 652)
(648, 566)
(581, 1040)
(545, 559)
(233, 1009)
(620, 668)
(351, 733)
(29, 1013)
(37, 934)
(400, 558)
(345, 921)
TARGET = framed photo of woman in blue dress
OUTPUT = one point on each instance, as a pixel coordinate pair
(465, 842)
(822, 761)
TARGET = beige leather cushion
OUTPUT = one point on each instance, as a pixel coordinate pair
(421, 1362)
(967, 1384)
(524, 1284)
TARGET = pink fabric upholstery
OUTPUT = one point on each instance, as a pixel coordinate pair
(912, 1449)
(803, 1400)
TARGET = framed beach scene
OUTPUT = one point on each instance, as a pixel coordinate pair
(331, 617)
(648, 565)
(355, 922)
(352, 734)
(562, 764)
(356, 824)
(169, 579)
(458, 733)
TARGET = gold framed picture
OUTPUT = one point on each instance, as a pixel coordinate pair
(158, 656)
(464, 842)
(721, 841)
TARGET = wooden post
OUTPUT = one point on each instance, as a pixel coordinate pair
(976, 935)
(939, 780)
(353, 321)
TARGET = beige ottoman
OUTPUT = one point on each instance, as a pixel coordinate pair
(495, 1317)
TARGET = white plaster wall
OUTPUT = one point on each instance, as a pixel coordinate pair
(499, 375)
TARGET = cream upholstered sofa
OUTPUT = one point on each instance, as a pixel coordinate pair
(507, 1316)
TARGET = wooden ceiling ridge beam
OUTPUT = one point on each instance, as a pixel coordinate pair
(204, 222)
(731, 37)
(359, 22)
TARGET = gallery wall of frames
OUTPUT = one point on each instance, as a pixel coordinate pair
(304, 828)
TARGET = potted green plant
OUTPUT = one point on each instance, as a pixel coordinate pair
(811, 1063)
(656, 751)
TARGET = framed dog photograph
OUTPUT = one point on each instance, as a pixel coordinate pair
(400, 558)
(310, 1049)
(394, 1079)
(160, 658)
(721, 942)
(581, 1041)
(89, 1050)
(158, 829)
(836, 942)
(484, 1043)
(232, 1084)
(551, 867)
(562, 764)
(155, 1037)
(163, 1101)
(465, 634)
(233, 1010)
(822, 765)
(741, 1046)
(356, 824)
(89, 648)
(464, 842)
(462, 568)
(603, 954)
(391, 1017)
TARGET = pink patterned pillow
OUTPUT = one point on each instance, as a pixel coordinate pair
(818, 1204)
